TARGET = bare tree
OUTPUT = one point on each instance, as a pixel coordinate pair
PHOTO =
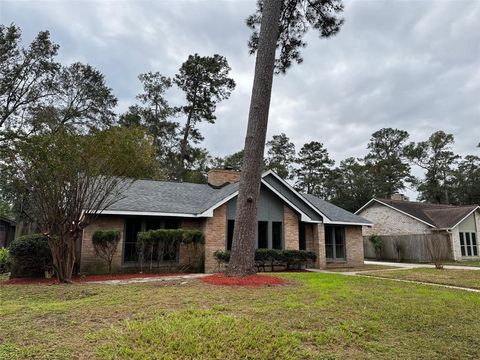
(438, 248)
(63, 181)
(283, 23)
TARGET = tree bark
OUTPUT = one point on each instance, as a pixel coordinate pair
(242, 261)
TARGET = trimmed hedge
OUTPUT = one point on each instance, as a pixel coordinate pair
(30, 256)
(102, 237)
(289, 259)
(161, 245)
(4, 260)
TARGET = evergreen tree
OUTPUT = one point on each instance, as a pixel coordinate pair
(436, 157)
(315, 167)
(281, 156)
(387, 162)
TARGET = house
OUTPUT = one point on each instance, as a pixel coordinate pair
(7, 231)
(398, 219)
(286, 220)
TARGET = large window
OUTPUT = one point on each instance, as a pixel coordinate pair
(335, 243)
(277, 235)
(263, 234)
(134, 225)
(468, 244)
(302, 239)
(269, 234)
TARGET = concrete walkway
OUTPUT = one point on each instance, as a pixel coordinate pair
(415, 266)
(149, 279)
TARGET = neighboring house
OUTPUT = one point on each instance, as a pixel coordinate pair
(400, 219)
(7, 231)
(286, 220)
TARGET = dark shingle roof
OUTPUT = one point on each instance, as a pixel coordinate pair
(438, 215)
(194, 199)
(333, 212)
(171, 197)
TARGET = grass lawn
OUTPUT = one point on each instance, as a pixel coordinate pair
(318, 316)
(366, 267)
(464, 263)
(463, 278)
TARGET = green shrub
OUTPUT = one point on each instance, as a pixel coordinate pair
(162, 244)
(30, 256)
(4, 260)
(105, 243)
(377, 244)
(289, 259)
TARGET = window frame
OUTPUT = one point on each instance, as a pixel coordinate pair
(333, 233)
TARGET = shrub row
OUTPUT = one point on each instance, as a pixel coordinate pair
(30, 256)
(289, 259)
(4, 261)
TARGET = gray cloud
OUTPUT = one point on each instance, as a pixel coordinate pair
(407, 64)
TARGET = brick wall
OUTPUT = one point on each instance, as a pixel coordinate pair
(220, 177)
(319, 245)
(354, 245)
(89, 262)
(290, 224)
(215, 237)
(387, 221)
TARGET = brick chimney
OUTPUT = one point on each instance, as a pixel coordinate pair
(220, 177)
(399, 197)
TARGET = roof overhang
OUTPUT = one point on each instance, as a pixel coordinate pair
(466, 216)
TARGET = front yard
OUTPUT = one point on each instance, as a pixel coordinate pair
(316, 315)
(462, 278)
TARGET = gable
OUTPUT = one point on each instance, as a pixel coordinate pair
(270, 206)
(388, 221)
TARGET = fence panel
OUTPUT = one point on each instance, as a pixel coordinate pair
(408, 247)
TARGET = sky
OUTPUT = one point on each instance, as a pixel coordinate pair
(407, 64)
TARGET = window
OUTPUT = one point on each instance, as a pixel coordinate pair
(468, 244)
(230, 228)
(335, 243)
(263, 234)
(132, 227)
(277, 235)
(302, 245)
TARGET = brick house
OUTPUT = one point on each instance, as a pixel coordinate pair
(286, 220)
(402, 219)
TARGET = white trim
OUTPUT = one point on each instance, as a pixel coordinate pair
(364, 206)
(400, 211)
(470, 213)
(145, 213)
(295, 192)
(209, 211)
(347, 223)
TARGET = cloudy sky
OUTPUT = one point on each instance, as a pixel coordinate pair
(409, 64)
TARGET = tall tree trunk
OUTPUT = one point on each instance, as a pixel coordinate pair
(242, 261)
(183, 149)
(63, 257)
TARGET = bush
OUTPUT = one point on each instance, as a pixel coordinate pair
(289, 259)
(30, 256)
(162, 244)
(377, 245)
(105, 243)
(4, 261)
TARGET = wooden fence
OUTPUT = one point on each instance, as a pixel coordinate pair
(408, 247)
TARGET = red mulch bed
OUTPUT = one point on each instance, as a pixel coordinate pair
(251, 280)
(82, 279)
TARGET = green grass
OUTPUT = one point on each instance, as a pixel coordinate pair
(366, 267)
(475, 263)
(462, 278)
(317, 316)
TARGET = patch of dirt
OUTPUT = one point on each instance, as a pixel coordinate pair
(83, 279)
(252, 280)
